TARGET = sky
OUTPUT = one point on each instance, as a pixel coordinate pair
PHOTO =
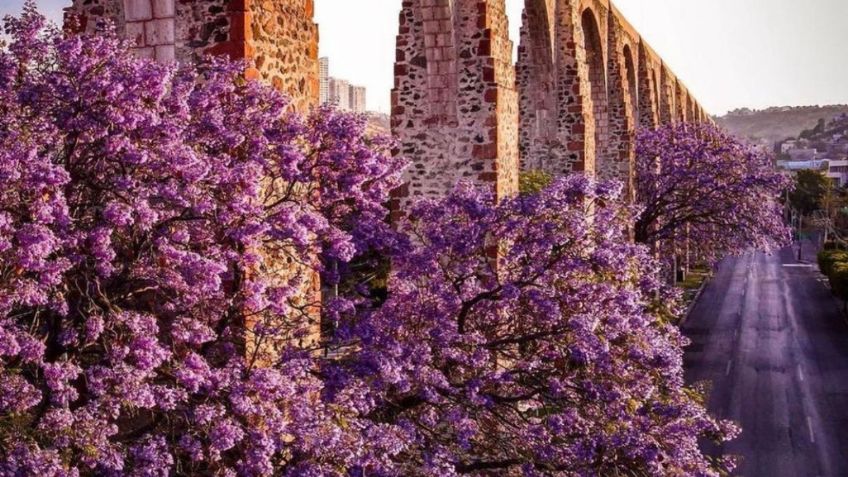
(729, 53)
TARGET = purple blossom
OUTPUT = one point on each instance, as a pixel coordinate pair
(705, 193)
(161, 224)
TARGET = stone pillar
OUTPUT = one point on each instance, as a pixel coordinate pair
(278, 37)
(667, 109)
(557, 120)
(454, 103)
(648, 90)
(681, 100)
(621, 157)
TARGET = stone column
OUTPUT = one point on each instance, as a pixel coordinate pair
(454, 104)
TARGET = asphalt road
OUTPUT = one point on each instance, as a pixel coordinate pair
(772, 343)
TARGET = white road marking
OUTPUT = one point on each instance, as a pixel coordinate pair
(800, 373)
(797, 265)
(810, 428)
(729, 365)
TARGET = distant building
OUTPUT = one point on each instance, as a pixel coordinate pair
(787, 146)
(803, 154)
(802, 165)
(837, 171)
(324, 80)
(339, 93)
(357, 99)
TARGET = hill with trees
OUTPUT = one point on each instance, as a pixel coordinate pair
(771, 125)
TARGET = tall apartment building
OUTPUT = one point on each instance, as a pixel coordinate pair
(324, 79)
(340, 93)
(357, 99)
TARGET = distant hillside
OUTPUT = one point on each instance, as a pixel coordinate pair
(378, 124)
(771, 125)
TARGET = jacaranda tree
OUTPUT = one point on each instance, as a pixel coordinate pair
(144, 213)
(523, 339)
(698, 184)
(160, 227)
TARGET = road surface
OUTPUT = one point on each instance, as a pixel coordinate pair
(773, 344)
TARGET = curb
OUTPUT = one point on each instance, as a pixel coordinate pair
(694, 302)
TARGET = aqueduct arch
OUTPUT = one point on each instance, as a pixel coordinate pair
(619, 160)
(583, 82)
(632, 84)
(597, 82)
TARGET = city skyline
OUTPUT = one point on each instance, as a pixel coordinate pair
(339, 91)
(750, 53)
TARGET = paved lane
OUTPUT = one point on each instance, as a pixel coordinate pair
(773, 345)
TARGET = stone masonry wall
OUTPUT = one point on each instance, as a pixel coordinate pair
(556, 117)
(620, 161)
(278, 36)
(454, 104)
(584, 81)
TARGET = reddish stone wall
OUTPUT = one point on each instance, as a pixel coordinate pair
(278, 36)
(620, 161)
(557, 120)
(454, 104)
(585, 81)
(284, 40)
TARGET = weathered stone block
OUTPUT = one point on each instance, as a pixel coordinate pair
(159, 32)
(138, 10)
(147, 52)
(166, 54)
(135, 33)
(163, 8)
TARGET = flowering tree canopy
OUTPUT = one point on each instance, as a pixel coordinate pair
(523, 339)
(142, 207)
(697, 181)
(159, 226)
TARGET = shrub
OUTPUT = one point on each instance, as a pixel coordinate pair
(531, 182)
(830, 245)
(828, 258)
(839, 281)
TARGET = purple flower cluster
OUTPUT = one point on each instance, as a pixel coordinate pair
(521, 339)
(706, 193)
(144, 212)
(159, 226)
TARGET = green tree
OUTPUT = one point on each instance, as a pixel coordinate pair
(810, 189)
(838, 279)
(531, 182)
(828, 259)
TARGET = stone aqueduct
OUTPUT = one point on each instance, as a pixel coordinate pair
(461, 108)
(584, 80)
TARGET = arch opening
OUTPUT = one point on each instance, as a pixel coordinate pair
(632, 89)
(597, 83)
(536, 79)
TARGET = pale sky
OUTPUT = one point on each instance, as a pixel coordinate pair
(729, 53)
